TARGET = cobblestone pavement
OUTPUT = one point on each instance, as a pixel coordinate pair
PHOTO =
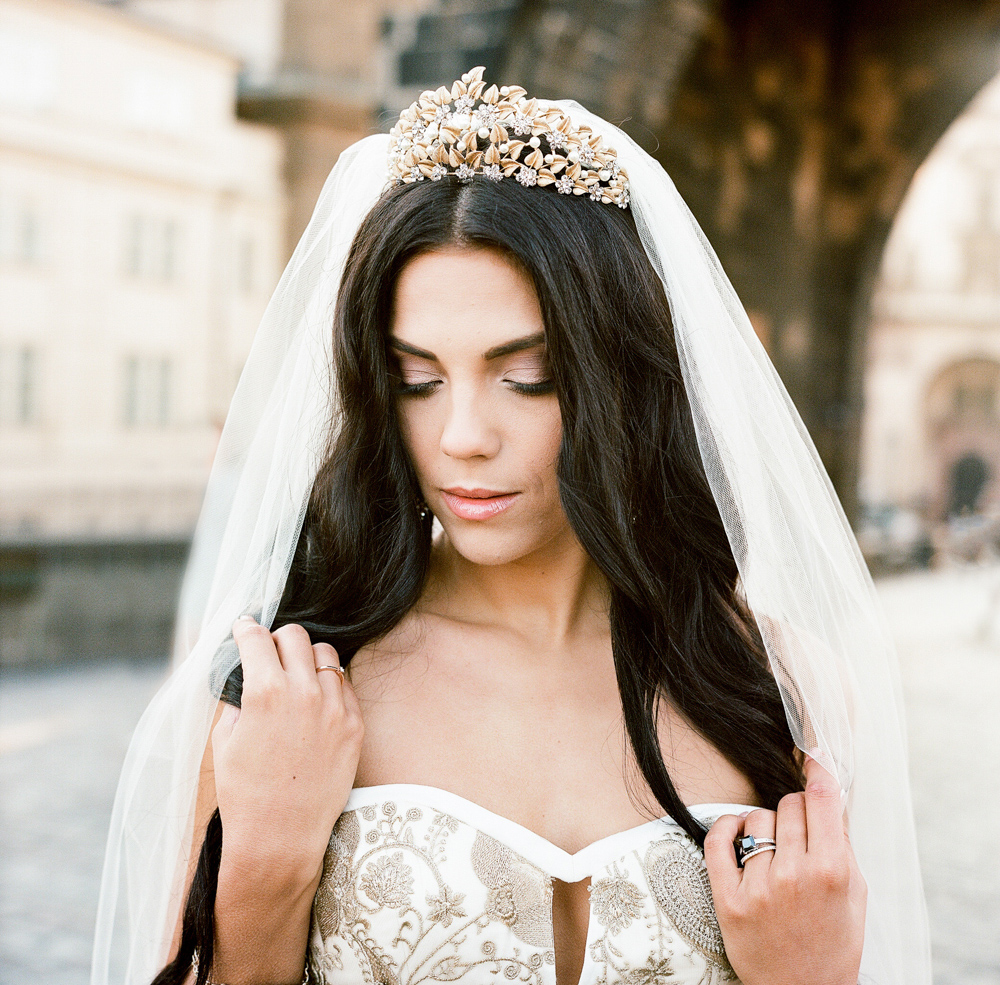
(63, 736)
(947, 627)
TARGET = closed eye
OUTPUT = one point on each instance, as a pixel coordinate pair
(416, 389)
(532, 389)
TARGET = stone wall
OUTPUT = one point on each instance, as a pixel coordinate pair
(68, 602)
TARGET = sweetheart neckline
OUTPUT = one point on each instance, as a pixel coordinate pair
(546, 855)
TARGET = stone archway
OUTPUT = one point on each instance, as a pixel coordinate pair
(793, 131)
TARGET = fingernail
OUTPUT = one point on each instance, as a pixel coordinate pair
(744, 814)
(246, 619)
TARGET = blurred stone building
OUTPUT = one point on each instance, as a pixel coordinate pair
(141, 232)
(931, 436)
(325, 73)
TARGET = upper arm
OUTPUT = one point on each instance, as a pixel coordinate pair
(205, 804)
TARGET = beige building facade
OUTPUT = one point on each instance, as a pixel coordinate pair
(141, 233)
(327, 72)
(931, 441)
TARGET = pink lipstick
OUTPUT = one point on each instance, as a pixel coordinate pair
(476, 504)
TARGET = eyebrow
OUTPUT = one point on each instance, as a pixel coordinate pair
(497, 352)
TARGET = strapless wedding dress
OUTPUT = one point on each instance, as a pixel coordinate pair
(420, 885)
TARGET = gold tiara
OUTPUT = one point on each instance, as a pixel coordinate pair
(499, 133)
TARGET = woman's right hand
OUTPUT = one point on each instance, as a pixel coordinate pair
(285, 763)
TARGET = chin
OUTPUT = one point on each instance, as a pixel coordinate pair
(493, 547)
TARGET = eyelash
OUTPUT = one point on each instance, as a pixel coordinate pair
(426, 389)
(533, 389)
(415, 389)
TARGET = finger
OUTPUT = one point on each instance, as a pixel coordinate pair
(258, 653)
(227, 721)
(223, 728)
(720, 857)
(330, 681)
(761, 824)
(790, 827)
(824, 811)
(296, 654)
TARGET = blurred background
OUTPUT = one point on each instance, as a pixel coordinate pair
(159, 160)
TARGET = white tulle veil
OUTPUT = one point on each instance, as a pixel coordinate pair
(800, 567)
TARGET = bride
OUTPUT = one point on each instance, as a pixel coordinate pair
(561, 660)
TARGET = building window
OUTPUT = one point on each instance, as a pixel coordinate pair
(20, 230)
(146, 391)
(19, 405)
(151, 248)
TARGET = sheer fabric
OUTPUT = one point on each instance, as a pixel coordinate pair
(800, 567)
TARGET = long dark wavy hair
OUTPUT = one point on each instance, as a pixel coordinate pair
(631, 481)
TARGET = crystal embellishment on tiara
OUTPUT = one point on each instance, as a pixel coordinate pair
(471, 130)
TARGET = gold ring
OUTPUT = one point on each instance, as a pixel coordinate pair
(339, 670)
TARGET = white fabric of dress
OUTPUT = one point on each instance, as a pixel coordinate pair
(422, 885)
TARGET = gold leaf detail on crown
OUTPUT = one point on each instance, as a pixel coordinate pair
(471, 130)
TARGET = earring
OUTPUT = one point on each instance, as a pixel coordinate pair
(423, 510)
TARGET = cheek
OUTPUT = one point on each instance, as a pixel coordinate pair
(417, 435)
(541, 442)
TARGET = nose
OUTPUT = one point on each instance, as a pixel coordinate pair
(468, 430)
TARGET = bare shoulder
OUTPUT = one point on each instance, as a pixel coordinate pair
(406, 687)
(402, 658)
(701, 774)
(374, 667)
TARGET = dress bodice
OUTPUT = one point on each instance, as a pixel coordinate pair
(421, 885)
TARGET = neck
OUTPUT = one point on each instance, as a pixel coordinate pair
(552, 596)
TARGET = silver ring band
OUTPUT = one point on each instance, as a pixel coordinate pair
(339, 670)
(757, 851)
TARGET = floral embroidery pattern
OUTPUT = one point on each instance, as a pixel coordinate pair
(384, 913)
(413, 896)
(445, 906)
(679, 882)
(615, 901)
(653, 906)
(388, 881)
(653, 972)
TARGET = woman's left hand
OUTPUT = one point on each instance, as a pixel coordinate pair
(794, 916)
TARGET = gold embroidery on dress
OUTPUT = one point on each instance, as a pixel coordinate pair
(653, 972)
(385, 913)
(435, 934)
(616, 901)
(616, 904)
(678, 880)
(520, 894)
(674, 905)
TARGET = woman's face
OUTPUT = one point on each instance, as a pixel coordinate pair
(479, 414)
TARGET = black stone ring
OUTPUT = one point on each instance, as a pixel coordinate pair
(749, 845)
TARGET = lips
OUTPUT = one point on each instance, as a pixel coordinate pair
(477, 504)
